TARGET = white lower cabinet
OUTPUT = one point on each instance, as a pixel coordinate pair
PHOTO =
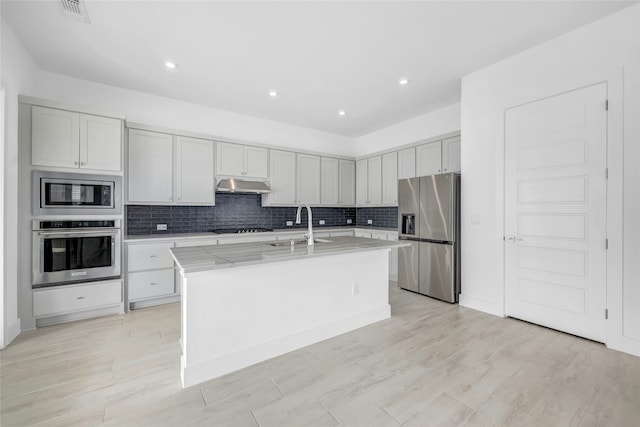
(60, 300)
(150, 273)
(151, 284)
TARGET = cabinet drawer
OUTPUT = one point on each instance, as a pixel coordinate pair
(364, 234)
(150, 284)
(149, 256)
(66, 299)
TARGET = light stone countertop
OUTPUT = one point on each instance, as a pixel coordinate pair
(297, 230)
(212, 257)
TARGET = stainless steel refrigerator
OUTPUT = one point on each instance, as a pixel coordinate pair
(429, 218)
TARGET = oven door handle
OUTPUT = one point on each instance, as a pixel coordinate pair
(75, 233)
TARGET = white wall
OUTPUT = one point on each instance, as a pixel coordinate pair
(173, 114)
(606, 50)
(19, 74)
(434, 123)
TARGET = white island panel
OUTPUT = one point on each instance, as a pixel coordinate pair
(236, 317)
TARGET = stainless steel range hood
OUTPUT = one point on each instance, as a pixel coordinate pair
(232, 185)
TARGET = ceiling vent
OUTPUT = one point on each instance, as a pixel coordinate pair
(75, 9)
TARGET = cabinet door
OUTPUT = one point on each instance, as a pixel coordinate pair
(100, 143)
(451, 154)
(194, 181)
(150, 167)
(308, 182)
(283, 178)
(429, 159)
(374, 185)
(362, 178)
(407, 163)
(230, 159)
(256, 163)
(347, 182)
(330, 181)
(55, 137)
(390, 179)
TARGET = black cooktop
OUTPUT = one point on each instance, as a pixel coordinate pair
(240, 230)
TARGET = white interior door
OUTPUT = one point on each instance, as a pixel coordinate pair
(555, 212)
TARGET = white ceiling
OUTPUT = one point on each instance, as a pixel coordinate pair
(320, 56)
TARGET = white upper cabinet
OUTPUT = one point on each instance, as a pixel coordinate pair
(374, 176)
(407, 163)
(194, 179)
(347, 190)
(256, 161)
(164, 172)
(100, 142)
(74, 140)
(308, 182)
(242, 161)
(330, 175)
(369, 181)
(362, 196)
(451, 154)
(150, 167)
(390, 179)
(297, 178)
(429, 159)
(283, 179)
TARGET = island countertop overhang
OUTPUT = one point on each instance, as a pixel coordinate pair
(199, 259)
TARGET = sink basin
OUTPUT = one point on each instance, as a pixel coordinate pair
(296, 242)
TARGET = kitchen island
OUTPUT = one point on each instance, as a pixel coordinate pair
(248, 302)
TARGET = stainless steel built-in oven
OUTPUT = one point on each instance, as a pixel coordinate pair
(67, 251)
(57, 193)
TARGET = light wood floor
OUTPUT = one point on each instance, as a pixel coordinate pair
(430, 364)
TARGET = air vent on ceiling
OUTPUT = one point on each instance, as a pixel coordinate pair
(75, 9)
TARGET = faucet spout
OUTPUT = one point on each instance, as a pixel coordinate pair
(309, 234)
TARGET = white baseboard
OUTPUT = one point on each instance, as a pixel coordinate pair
(227, 363)
(481, 304)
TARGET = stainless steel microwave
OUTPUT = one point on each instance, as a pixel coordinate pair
(59, 193)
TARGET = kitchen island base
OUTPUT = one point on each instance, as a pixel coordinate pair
(236, 317)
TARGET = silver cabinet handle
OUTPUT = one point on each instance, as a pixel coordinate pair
(80, 298)
(512, 239)
(153, 284)
(82, 163)
(75, 163)
(152, 256)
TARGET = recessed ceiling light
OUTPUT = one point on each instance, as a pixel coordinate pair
(342, 112)
(273, 93)
(403, 81)
(170, 65)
